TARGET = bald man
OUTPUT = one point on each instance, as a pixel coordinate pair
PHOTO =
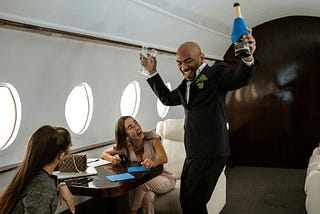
(202, 93)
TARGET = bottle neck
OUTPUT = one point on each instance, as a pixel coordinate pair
(237, 12)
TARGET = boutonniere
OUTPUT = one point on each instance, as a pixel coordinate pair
(200, 81)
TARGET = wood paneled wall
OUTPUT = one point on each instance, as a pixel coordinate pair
(274, 121)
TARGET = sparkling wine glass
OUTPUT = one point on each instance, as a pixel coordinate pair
(147, 53)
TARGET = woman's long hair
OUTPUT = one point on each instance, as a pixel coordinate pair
(43, 147)
(120, 133)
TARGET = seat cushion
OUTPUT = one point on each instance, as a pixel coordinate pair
(173, 129)
(172, 133)
(168, 203)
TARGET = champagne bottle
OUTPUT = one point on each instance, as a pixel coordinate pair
(241, 49)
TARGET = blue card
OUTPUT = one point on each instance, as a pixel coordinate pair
(120, 177)
(138, 169)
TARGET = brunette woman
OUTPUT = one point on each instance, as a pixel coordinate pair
(145, 147)
(34, 189)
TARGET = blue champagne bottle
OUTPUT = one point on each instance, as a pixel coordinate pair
(241, 49)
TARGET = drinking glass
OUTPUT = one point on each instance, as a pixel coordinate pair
(147, 53)
(241, 49)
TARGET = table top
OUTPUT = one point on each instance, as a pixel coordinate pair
(100, 186)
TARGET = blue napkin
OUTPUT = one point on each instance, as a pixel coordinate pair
(138, 169)
(120, 177)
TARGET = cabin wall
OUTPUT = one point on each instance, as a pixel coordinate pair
(274, 120)
(45, 69)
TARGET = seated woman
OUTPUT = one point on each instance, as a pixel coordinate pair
(146, 147)
(34, 189)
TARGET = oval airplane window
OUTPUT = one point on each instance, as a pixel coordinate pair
(130, 99)
(162, 109)
(79, 108)
(10, 114)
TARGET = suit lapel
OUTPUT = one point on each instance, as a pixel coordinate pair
(202, 72)
(193, 87)
(182, 91)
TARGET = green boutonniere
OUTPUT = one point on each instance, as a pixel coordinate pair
(200, 81)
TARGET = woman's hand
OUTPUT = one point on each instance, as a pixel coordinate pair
(161, 156)
(116, 160)
(66, 195)
(148, 163)
(111, 155)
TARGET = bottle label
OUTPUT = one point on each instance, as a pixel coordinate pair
(239, 28)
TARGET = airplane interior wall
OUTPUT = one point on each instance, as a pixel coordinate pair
(274, 122)
(45, 69)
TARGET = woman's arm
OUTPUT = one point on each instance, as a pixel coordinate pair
(111, 155)
(161, 156)
(66, 195)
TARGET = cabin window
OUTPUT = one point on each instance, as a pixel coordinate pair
(79, 108)
(130, 99)
(162, 109)
(10, 114)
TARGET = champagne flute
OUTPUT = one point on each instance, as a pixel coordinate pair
(147, 53)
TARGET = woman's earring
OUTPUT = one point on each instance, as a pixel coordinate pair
(128, 140)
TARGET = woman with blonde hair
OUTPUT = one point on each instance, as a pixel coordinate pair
(34, 189)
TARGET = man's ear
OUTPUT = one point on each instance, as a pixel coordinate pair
(202, 57)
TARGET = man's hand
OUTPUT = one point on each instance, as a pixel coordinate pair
(149, 63)
(251, 42)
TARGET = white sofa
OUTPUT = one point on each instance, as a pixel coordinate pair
(172, 133)
(312, 183)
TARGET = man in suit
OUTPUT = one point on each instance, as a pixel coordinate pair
(202, 94)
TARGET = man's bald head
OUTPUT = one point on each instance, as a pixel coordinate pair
(189, 47)
(189, 59)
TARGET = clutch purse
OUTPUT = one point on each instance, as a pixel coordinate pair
(74, 163)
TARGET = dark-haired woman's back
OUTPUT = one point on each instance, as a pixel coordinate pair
(40, 196)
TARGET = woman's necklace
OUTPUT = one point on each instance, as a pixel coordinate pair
(139, 152)
(140, 149)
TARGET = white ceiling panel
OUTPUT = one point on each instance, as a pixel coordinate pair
(162, 24)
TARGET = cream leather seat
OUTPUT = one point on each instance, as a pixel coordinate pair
(312, 183)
